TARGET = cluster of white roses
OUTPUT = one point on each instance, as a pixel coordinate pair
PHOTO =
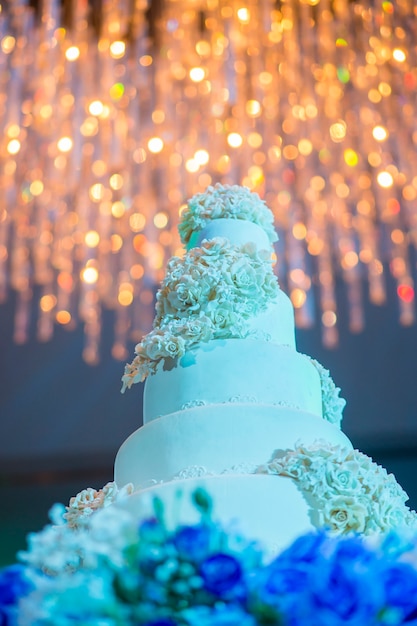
(333, 404)
(207, 294)
(225, 201)
(352, 493)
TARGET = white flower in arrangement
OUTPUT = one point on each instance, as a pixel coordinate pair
(208, 294)
(225, 201)
(353, 494)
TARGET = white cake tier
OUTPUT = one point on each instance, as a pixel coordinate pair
(238, 232)
(268, 509)
(215, 439)
(231, 370)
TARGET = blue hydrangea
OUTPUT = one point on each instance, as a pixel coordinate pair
(13, 586)
(400, 590)
(193, 542)
(221, 573)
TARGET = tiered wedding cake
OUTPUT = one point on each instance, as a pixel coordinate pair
(230, 404)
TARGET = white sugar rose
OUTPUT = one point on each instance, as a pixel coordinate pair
(391, 514)
(343, 479)
(270, 285)
(175, 347)
(153, 345)
(197, 330)
(344, 514)
(223, 318)
(185, 296)
(245, 278)
(212, 249)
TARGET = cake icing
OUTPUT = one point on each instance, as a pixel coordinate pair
(229, 402)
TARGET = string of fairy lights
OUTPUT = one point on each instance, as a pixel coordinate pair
(112, 117)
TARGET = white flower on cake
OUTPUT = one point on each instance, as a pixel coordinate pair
(225, 201)
(353, 494)
(333, 404)
(344, 514)
(210, 293)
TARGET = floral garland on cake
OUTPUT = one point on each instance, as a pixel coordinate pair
(225, 201)
(333, 404)
(119, 571)
(352, 493)
(207, 294)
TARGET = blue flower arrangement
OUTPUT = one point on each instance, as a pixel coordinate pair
(115, 572)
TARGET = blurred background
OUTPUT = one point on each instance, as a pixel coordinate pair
(112, 114)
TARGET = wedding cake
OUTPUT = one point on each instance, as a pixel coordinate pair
(240, 457)
(229, 402)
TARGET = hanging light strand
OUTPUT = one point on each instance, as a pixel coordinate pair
(109, 121)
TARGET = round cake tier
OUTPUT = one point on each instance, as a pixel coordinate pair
(238, 232)
(269, 509)
(215, 439)
(231, 370)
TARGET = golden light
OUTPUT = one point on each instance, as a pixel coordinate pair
(385, 179)
(118, 125)
(399, 55)
(65, 144)
(92, 239)
(298, 297)
(117, 49)
(36, 187)
(125, 297)
(197, 74)
(89, 275)
(72, 53)
(155, 145)
(329, 318)
(379, 133)
(137, 222)
(299, 231)
(47, 302)
(13, 130)
(7, 44)
(146, 60)
(63, 317)
(338, 131)
(13, 146)
(96, 108)
(118, 209)
(202, 157)
(116, 181)
(96, 192)
(192, 166)
(234, 140)
(160, 220)
(243, 15)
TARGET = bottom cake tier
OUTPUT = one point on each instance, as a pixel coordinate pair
(269, 509)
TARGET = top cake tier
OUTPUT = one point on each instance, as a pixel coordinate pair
(229, 211)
